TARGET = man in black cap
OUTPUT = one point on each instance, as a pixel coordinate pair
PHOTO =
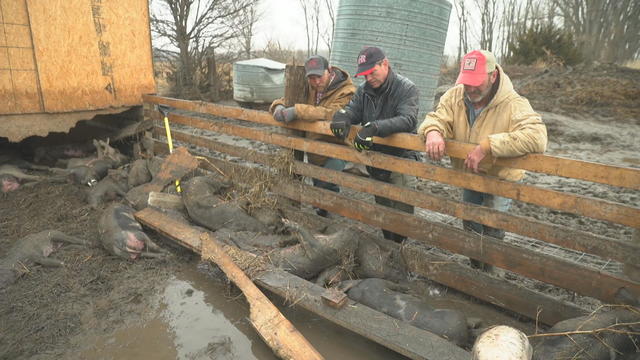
(387, 103)
(329, 89)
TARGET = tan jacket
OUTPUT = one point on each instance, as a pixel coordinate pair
(335, 98)
(508, 121)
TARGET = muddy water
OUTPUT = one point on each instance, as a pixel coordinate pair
(197, 319)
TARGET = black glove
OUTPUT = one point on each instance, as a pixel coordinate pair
(364, 138)
(341, 124)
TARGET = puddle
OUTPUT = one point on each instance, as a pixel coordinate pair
(198, 320)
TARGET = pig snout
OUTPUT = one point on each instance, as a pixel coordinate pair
(134, 244)
(9, 185)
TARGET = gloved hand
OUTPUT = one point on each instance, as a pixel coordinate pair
(285, 115)
(364, 138)
(341, 124)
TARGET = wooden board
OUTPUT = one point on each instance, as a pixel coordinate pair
(75, 55)
(396, 335)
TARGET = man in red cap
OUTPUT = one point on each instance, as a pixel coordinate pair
(386, 103)
(484, 109)
(329, 89)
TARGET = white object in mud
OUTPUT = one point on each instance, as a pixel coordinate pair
(502, 343)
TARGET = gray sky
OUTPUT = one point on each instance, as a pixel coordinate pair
(283, 20)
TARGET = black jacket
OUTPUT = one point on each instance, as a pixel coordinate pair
(393, 106)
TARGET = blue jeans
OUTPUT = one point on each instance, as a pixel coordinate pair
(489, 200)
(333, 164)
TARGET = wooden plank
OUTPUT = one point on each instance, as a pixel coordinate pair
(546, 268)
(623, 251)
(552, 165)
(295, 89)
(577, 204)
(278, 332)
(86, 55)
(396, 335)
(504, 294)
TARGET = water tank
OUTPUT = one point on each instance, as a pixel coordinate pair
(258, 80)
(411, 32)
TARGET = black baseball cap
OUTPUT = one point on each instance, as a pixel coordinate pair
(316, 65)
(368, 58)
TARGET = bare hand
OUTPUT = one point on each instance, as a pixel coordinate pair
(473, 158)
(435, 145)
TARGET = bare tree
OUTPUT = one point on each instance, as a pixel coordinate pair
(606, 30)
(196, 28)
(312, 21)
(246, 26)
(462, 13)
(329, 32)
(488, 11)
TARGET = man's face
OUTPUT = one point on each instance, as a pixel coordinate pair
(478, 94)
(319, 83)
(379, 74)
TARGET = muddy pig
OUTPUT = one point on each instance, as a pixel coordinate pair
(619, 344)
(388, 297)
(208, 209)
(122, 235)
(139, 173)
(33, 248)
(11, 177)
(109, 188)
(91, 173)
(50, 154)
(314, 253)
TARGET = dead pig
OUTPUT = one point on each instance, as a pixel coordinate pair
(208, 209)
(121, 235)
(109, 188)
(314, 253)
(619, 344)
(31, 249)
(139, 173)
(388, 297)
(11, 177)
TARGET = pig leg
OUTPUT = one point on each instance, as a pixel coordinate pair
(61, 237)
(45, 261)
(309, 243)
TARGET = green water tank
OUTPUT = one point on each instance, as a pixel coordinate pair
(411, 32)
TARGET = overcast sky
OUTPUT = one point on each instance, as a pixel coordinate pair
(283, 20)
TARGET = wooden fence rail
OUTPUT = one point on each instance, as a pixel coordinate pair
(552, 165)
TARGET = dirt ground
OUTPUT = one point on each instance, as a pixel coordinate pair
(46, 311)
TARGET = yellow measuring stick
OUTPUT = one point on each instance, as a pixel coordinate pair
(170, 142)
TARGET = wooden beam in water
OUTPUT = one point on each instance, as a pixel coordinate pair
(396, 335)
(552, 165)
(577, 204)
(623, 251)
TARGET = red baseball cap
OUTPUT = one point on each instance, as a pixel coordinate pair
(475, 66)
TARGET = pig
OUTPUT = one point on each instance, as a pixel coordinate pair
(34, 248)
(50, 154)
(11, 178)
(622, 343)
(115, 184)
(314, 253)
(121, 235)
(208, 209)
(139, 173)
(389, 298)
